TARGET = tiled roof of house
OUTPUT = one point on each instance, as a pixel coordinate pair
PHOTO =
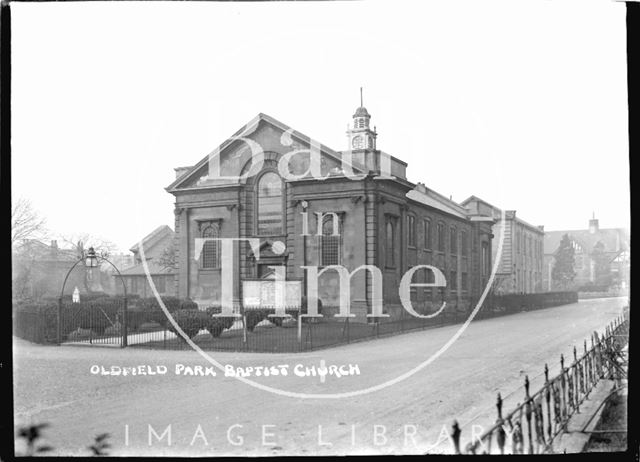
(614, 239)
(153, 237)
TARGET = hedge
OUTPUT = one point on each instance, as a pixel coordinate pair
(38, 321)
(216, 325)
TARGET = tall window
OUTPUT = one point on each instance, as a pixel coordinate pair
(453, 281)
(210, 249)
(330, 243)
(485, 258)
(427, 233)
(441, 237)
(390, 243)
(270, 215)
(411, 230)
(464, 243)
(453, 238)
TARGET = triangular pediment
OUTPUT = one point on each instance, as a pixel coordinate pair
(230, 163)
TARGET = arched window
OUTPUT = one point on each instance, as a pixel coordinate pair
(411, 230)
(270, 213)
(390, 243)
(331, 242)
(453, 240)
(210, 253)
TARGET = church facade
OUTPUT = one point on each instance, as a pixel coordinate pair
(309, 205)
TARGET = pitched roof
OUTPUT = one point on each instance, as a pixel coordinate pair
(614, 239)
(498, 212)
(154, 236)
(436, 200)
(247, 129)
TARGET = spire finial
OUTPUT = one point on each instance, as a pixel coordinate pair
(361, 104)
(593, 215)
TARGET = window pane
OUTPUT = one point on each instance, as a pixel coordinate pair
(331, 247)
(270, 204)
(411, 225)
(464, 244)
(454, 240)
(390, 241)
(427, 234)
(210, 248)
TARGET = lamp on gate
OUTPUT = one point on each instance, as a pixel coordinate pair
(91, 259)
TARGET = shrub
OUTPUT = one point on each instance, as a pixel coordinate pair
(116, 329)
(216, 325)
(278, 321)
(190, 321)
(152, 312)
(80, 334)
(172, 304)
(254, 317)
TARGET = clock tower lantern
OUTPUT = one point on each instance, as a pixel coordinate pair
(360, 136)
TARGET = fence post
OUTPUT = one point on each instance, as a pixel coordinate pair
(125, 325)
(563, 400)
(577, 375)
(547, 396)
(455, 436)
(59, 333)
(528, 410)
(244, 328)
(501, 437)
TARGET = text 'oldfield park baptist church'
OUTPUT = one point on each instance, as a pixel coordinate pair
(382, 220)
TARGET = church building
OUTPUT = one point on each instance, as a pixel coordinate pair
(264, 183)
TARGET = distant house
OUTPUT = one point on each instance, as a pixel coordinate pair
(154, 245)
(611, 245)
(39, 270)
(521, 265)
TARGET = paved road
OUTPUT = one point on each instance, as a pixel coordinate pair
(222, 416)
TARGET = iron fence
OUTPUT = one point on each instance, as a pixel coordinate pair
(533, 425)
(101, 323)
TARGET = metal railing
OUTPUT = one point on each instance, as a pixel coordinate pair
(80, 323)
(533, 425)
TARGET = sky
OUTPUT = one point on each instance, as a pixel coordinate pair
(523, 104)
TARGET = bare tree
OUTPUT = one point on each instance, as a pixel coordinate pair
(168, 258)
(26, 223)
(80, 242)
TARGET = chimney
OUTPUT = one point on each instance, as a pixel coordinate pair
(54, 245)
(181, 171)
(593, 225)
